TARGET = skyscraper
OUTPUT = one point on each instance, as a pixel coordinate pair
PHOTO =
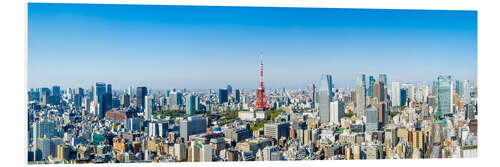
(237, 95)
(175, 98)
(56, 94)
(325, 97)
(100, 90)
(191, 126)
(403, 96)
(125, 100)
(190, 104)
(396, 94)
(313, 95)
(371, 81)
(107, 103)
(383, 78)
(336, 111)
(229, 89)
(46, 96)
(372, 119)
(109, 89)
(149, 107)
(378, 91)
(141, 93)
(466, 91)
(223, 96)
(360, 94)
(277, 130)
(445, 95)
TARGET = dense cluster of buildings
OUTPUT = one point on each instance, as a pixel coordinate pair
(373, 120)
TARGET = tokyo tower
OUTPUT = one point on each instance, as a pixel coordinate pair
(261, 104)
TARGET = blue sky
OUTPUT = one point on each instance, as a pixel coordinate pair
(208, 47)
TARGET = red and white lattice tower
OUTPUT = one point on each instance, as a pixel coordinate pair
(261, 104)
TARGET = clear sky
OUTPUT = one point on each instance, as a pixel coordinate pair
(208, 47)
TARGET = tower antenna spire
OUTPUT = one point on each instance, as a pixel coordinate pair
(261, 104)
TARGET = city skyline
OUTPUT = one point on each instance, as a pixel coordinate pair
(128, 84)
(76, 45)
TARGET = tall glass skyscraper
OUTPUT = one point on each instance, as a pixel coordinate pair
(360, 94)
(383, 78)
(149, 107)
(445, 95)
(325, 97)
(56, 94)
(370, 87)
(109, 89)
(403, 96)
(141, 92)
(190, 104)
(466, 91)
(396, 94)
(99, 91)
(223, 96)
(313, 95)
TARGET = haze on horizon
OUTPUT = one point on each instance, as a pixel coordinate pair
(161, 46)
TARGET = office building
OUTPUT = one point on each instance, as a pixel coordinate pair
(125, 100)
(336, 111)
(404, 96)
(312, 95)
(180, 151)
(466, 93)
(445, 95)
(372, 119)
(360, 94)
(378, 91)
(277, 130)
(133, 124)
(325, 97)
(223, 96)
(371, 82)
(271, 153)
(141, 93)
(191, 105)
(237, 134)
(396, 94)
(237, 95)
(175, 99)
(149, 107)
(191, 126)
(63, 152)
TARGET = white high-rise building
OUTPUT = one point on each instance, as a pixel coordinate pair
(325, 97)
(206, 153)
(360, 94)
(148, 103)
(271, 153)
(153, 129)
(396, 94)
(180, 151)
(466, 92)
(336, 111)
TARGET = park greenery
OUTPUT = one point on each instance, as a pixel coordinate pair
(349, 115)
(175, 113)
(470, 147)
(271, 115)
(170, 113)
(228, 117)
(394, 113)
